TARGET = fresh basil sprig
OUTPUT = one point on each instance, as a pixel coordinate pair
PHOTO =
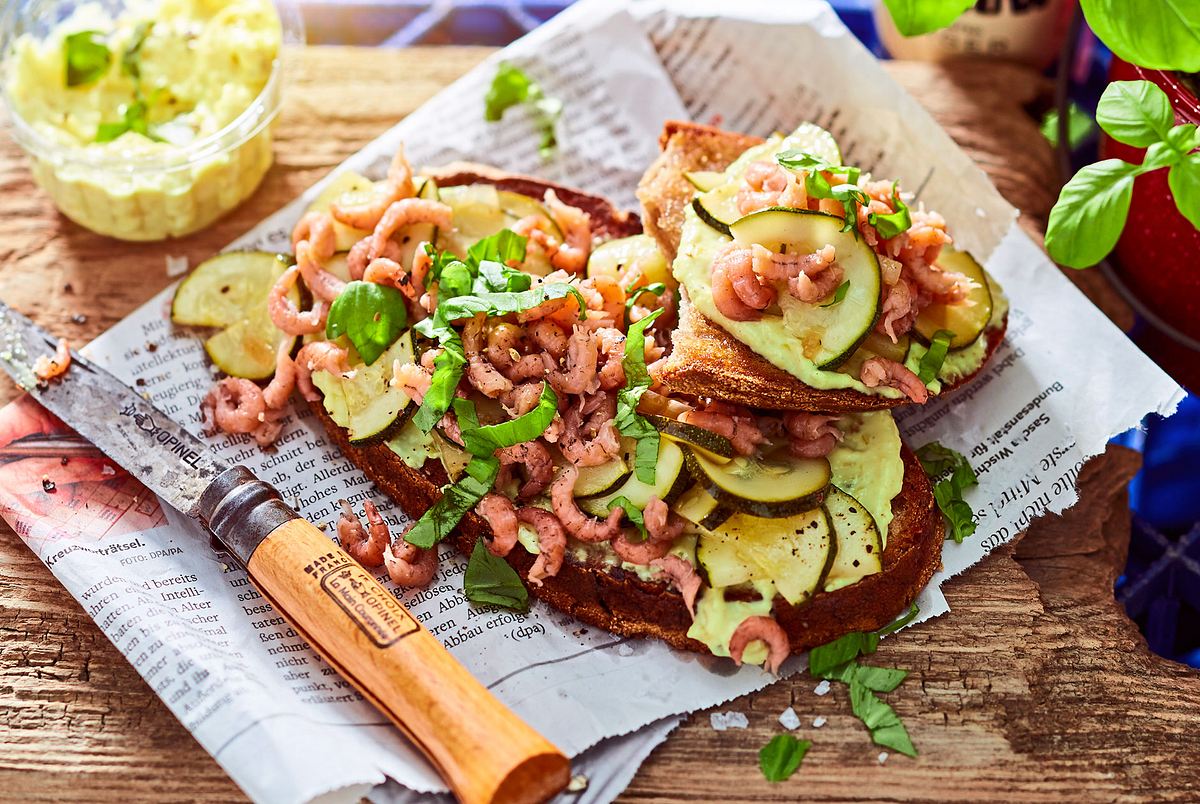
(780, 758)
(86, 56)
(457, 499)
(1090, 213)
(484, 440)
(957, 476)
(935, 356)
(512, 86)
(632, 513)
(838, 295)
(372, 316)
(490, 580)
(637, 380)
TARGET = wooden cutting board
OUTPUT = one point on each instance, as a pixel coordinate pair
(1035, 687)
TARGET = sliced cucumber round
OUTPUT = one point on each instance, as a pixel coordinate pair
(670, 482)
(860, 549)
(365, 402)
(230, 291)
(795, 553)
(705, 180)
(831, 333)
(612, 260)
(967, 320)
(714, 447)
(774, 486)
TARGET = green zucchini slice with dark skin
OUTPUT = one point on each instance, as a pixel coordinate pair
(967, 320)
(860, 548)
(670, 482)
(715, 447)
(775, 486)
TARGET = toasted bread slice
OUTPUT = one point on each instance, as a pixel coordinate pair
(619, 601)
(707, 361)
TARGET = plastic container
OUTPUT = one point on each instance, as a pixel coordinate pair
(151, 196)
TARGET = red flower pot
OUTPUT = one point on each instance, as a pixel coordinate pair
(1157, 255)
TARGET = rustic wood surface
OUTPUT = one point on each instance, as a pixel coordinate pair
(1035, 687)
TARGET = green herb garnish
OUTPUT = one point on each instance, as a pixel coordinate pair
(895, 222)
(656, 289)
(817, 185)
(780, 758)
(512, 86)
(637, 380)
(484, 441)
(935, 356)
(131, 59)
(839, 294)
(490, 580)
(372, 316)
(447, 372)
(437, 523)
(87, 57)
(1161, 36)
(916, 17)
(632, 513)
(825, 660)
(957, 474)
(133, 118)
(881, 720)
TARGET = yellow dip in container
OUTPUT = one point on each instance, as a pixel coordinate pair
(146, 119)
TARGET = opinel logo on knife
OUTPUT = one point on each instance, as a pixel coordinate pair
(377, 614)
(163, 436)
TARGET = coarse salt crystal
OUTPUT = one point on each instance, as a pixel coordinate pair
(728, 720)
(883, 755)
(578, 783)
(822, 688)
(176, 266)
(819, 721)
(107, 471)
(789, 718)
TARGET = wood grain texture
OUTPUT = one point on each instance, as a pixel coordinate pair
(1035, 688)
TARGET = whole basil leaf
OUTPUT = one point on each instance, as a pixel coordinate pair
(491, 580)
(1135, 112)
(372, 316)
(780, 758)
(87, 57)
(1161, 35)
(1184, 180)
(1090, 213)
(916, 17)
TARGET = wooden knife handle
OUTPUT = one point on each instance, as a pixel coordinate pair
(483, 751)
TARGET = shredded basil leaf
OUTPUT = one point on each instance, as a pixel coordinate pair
(931, 361)
(506, 247)
(957, 476)
(656, 289)
(879, 679)
(510, 87)
(510, 302)
(490, 580)
(901, 621)
(484, 441)
(817, 185)
(437, 523)
(893, 223)
(372, 316)
(87, 57)
(780, 758)
(498, 277)
(825, 660)
(456, 279)
(839, 294)
(632, 513)
(447, 372)
(637, 380)
(881, 720)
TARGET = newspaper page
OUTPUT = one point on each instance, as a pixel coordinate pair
(277, 718)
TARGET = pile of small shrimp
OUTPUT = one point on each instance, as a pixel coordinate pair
(747, 279)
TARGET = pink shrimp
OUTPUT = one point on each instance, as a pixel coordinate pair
(660, 405)
(284, 314)
(275, 395)
(901, 306)
(612, 346)
(412, 379)
(522, 398)
(640, 553)
(319, 356)
(534, 461)
(365, 546)
(360, 256)
(317, 228)
(550, 337)
(269, 428)
(572, 253)
(589, 434)
(765, 630)
(735, 423)
(398, 185)
(47, 368)
(682, 576)
(406, 212)
(811, 435)
(499, 513)
(324, 286)
(877, 371)
(552, 543)
(769, 185)
(942, 287)
(737, 291)
(661, 524)
(578, 524)
(486, 378)
(579, 375)
(817, 279)
(234, 406)
(409, 565)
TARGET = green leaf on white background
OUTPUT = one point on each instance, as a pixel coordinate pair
(1090, 213)
(1184, 180)
(1135, 112)
(916, 17)
(1158, 34)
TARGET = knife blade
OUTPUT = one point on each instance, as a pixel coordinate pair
(483, 751)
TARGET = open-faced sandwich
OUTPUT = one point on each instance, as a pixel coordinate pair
(809, 285)
(489, 350)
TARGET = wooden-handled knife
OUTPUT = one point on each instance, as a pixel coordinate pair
(483, 751)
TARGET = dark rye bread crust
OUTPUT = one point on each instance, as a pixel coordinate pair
(619, 601)
(706, 360)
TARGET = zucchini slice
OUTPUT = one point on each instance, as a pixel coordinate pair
(834, 332)
(594, 480)
(365, 403)
(705, 180)
(875, 345)
(769, 486)
(795, 553)
(480, 210)
(670, 482)
(714, 447)
(613, 259)
(230, 291)
(859, 548)
(454, 458)
(967, 320)
(699, 507)
(347, 188)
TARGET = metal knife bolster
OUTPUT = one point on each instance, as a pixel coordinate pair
(241, 511)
